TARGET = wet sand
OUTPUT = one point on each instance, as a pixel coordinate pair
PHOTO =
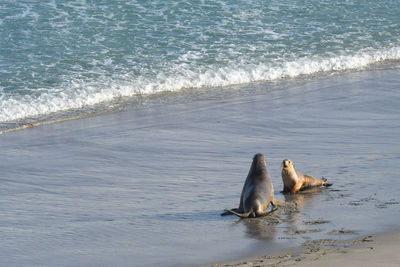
(372, 250)
(145, 186)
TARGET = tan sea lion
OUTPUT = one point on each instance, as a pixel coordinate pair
(294, 181)
(257, 192)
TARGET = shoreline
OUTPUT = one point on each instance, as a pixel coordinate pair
(370, 250)
(138, 102)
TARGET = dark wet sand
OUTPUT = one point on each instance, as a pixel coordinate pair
(372, 250)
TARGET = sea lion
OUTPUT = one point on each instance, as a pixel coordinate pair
(294, 181)
(257, 192)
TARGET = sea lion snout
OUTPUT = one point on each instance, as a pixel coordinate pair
(286, 163)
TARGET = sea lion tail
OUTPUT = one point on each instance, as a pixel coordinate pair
(226, 212)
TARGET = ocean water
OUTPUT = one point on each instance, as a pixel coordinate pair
(85, 56)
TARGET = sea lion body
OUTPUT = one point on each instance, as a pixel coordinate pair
(294, 181)
(257, 192)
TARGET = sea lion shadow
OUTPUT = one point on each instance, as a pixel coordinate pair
(309, 190)
(261, 228)
(303, 197)
(306, 194)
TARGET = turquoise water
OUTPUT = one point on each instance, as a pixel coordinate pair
(62, 55)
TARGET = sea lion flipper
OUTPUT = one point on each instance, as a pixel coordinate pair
(241, 215)
(297, 187)
(278, 203)
(226, 212)
(231, 212)
(326, 184)
(274, 206)
(265, 213)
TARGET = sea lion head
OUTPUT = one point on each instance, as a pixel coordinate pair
(287, 163)
(259, 158)
(258, 161)
(259, 165)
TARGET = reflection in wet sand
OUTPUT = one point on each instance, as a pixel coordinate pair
(301, 200)
(303, 197)
(263, 228)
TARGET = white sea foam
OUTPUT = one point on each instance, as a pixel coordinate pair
(78, 94)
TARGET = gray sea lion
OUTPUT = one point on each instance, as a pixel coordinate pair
(257, 192)
(294, 181)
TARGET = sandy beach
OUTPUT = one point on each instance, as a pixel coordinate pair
(145, 185)
(372, 250)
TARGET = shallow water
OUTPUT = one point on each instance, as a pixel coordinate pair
(145, 186)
